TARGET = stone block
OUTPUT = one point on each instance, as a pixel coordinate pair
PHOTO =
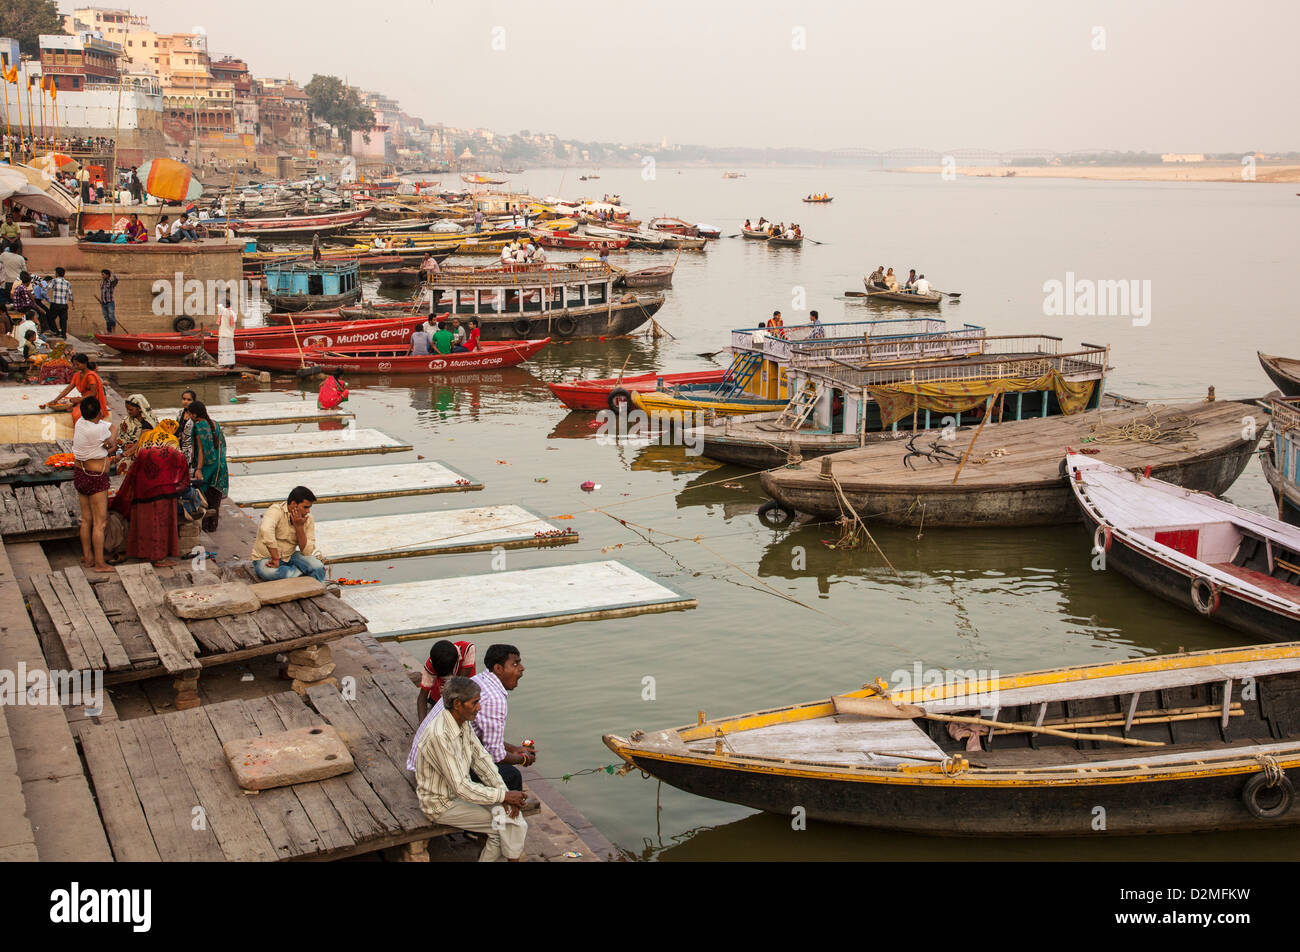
(288, 757)
(212, 601)
(305, 673)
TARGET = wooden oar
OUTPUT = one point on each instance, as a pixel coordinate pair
(883, 707)
(856, 294)
(951, 294)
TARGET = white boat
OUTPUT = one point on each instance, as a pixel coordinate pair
(1231, 565)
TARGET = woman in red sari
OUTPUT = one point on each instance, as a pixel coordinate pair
(147, 497)
(87, 384)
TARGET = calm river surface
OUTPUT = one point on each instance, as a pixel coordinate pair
(1220, 259)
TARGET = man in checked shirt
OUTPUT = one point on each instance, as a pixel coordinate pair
(502, 669)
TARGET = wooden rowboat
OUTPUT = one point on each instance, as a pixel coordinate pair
(817, 201)
(905, 297)
(386, 359)
(781, 241)
(660, 277)
(610, 393)
(754, 234)
(1015, 478)
(1229, 564)
(1281, 457)
(1284, 372)
(1190, 742)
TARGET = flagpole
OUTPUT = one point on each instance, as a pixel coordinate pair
(31, 116)
(18, 95)
(4, 81)
(117, 134)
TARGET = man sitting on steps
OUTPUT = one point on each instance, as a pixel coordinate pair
(286, 540)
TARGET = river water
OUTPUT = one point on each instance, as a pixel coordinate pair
(1220, 259)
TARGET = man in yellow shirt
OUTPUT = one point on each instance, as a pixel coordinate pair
(445, 753)
(286, 540)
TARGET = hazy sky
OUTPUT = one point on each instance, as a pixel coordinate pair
(1174, 75)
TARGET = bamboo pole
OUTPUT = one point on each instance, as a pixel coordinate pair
(18, 97)
(1030, 729)
(4, 81)
(112, 172)
(987, 408)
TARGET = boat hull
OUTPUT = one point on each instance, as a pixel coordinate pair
(1285, 494)
(1173, 583)
(1187, 804)
(666, 403)
(574, 323)
(594, 394)
(1284, 381)
(361, 362)
(906, 297)
(1016, 499)
(333, 334)
(310, 302)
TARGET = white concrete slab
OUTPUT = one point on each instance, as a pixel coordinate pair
(252, 414)
(20, 401)
(432, 533)
(524, 598)
(352, 483)
(347, 442)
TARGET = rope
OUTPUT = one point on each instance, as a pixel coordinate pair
(1177, 429)
(1272, 772)
(843, 502)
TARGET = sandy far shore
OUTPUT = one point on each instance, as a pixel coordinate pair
(1125, 173)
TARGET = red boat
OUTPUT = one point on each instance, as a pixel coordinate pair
(550, 239)
(391, 332)
(600, 394)
(384, 359)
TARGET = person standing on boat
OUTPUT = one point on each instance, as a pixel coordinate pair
(817, 332)
(478, 219)
(445, 758)
(429, 266)
(226, 320)
(315, 247)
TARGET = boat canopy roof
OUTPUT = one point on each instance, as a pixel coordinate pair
(545, 275)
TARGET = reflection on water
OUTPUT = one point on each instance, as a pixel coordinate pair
(783, 617)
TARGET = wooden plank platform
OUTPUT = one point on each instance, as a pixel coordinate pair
(35, 470)
(35, 512)
(350, 442)
(432, 533)
(525, 598)
(352, 484)
(150, 774)
(255, 414)
(24, 400)
(119, 624)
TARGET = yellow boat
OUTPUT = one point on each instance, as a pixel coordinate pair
(699, 401)
(1182, 743)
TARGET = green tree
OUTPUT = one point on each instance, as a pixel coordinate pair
(26, 20)
(340, 105)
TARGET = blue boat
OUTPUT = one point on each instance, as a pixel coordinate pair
(1281, 456)
(303, 284)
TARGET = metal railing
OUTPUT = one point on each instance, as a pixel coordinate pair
(996, 358)
(544, 275)
(780, 345)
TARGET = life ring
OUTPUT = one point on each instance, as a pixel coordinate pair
(183, 323)
(1101, 539)
(522, 326)
(1205, 595)
(618, 399)
(775, 515)
(566, 326)
(1285, 794)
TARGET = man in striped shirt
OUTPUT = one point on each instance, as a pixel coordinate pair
(502, 670)
(447, 756)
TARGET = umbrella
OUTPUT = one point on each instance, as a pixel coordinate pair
(169, 180)
(32, 197)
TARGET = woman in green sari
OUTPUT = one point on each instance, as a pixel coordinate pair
(209, 461)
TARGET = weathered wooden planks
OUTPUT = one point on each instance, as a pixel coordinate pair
(352, 484)
(33, 512)
(348, 442)
(523, 598)
(83, 629)
(429, 533)
(170, 637)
